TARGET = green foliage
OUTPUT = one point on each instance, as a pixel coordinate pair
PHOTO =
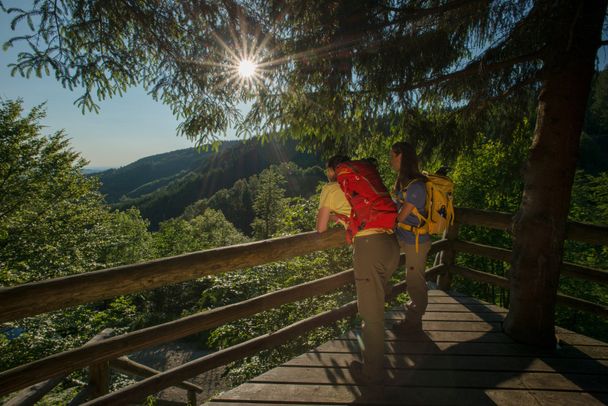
(489, 177)
(268, 203)
(233, 161)
(178, 236)
(210, 229)
(234, 287)
(299, 215)
(53, 222)
(594, 142)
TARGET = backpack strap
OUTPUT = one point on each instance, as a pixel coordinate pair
(422, 221)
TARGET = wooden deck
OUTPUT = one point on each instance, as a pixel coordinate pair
(462, 357)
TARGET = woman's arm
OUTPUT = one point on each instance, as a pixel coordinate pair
(405, 211)
(322, 219)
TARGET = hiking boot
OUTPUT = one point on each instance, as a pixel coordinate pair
(360, 377)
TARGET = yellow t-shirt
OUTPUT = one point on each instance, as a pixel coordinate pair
(333, 198)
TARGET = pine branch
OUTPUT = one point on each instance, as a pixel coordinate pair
(411, 13)
(479, 103)
(474, 68)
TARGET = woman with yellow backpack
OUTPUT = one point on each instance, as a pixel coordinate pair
(410, 194)
(425, 207)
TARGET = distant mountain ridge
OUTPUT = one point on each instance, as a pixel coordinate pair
(163, 185)
(139, 177)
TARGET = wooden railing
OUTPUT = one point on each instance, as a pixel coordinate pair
(102, 353)
(587, 233)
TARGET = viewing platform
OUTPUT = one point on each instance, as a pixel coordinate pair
(461, 357)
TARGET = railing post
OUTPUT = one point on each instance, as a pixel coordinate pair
(99, 373)
(448, 256)
(99, 379)
(191, 397)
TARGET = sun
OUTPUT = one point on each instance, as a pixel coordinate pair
(246, 68)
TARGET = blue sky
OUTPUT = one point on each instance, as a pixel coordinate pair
(125, 130)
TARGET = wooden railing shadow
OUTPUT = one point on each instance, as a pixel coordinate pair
(40, 297)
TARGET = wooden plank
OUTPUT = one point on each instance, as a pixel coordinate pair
(113, 347)
(589, 233)
(29, 396)
(459, 307)
(443, 293)
(483, 218)
(442, 379)
(584, 272)
(469, 348)
(433, 325)
(461, 362)
(581, 304)
(450, 299)
(579, 340)
(451, 316)
(394, 395)
(482, 276)
(486, 251)
(438, 336)
(44, 296)
(501, 254)
(99, 372)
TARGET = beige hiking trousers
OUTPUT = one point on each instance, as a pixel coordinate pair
(375, 258)
(415, 264)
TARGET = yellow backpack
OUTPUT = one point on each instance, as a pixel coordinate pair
(439, 207)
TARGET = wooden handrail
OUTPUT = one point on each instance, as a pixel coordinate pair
(588, 233)
(116, 346)
(113, 347)
(484, 218)
(501, 254)
(40, 297)
(503, 282)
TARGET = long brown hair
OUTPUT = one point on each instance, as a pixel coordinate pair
(409, 169)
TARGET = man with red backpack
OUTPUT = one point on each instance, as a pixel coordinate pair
(369, 227)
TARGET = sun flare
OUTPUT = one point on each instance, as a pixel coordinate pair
(246, 68)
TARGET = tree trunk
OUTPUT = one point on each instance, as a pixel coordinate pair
(539, 225)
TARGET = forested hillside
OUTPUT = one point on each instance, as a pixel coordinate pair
(148, 174)
(162, 186)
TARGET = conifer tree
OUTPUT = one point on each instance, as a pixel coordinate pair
(268, 203)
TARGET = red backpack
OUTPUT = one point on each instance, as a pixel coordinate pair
(370, 201)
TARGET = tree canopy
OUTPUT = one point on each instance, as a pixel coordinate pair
(333, 73)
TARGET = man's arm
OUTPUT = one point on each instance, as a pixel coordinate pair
(323, 219)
